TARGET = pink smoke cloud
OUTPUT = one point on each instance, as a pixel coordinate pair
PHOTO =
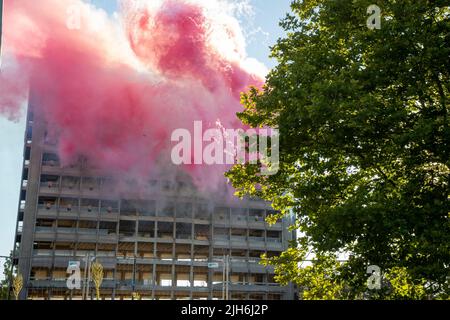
(114, 89)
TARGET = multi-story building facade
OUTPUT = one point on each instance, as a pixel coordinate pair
(163, 241)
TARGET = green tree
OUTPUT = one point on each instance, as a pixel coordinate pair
(317, 279)
(364, 137)
(7, 276)
(403, 286)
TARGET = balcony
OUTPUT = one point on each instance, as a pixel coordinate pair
(43, 253)
(221, 240)
(109, 214)
(68, 212)
(60, 283)
(66, 234)
(45, 234)
(239, 221)
(88, 213)
(201, 240)
(87, 234)
(40, 262)
(274, 244)
(278, 226)
(70, 191)
(48, 168)
(238, 241)
(255, 287)
(61, 261)
(256, 222)
(256, 239)
(221, 219)
(107, 237)
(50, 210)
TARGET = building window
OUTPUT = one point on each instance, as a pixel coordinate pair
(107, 228)
(221, 213)
(49, 181)
(47, 202)
(89, 205)
(167, 211)
(90, 183)
(146, 229)
(50, 159)
(165, 280)
(184, 210)
(127, 228)
(128, 208)
(109, 206)
(201, 211)
(201, 232)
(68, 204)
(183, 230)
(165, 230)
(256, 215)
(70, 183)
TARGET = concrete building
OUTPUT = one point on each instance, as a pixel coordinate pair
(164, 242)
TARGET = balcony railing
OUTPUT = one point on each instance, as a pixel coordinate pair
(45, 229)
(256, 239)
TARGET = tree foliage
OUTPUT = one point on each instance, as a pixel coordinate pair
(318, 280)
(364, 140)
(7, 276)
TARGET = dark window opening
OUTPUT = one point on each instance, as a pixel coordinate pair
(50, 159)
(127, 228)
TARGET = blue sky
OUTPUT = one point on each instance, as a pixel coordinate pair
(261, 30)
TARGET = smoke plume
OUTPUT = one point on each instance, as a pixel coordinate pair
(113, 88)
